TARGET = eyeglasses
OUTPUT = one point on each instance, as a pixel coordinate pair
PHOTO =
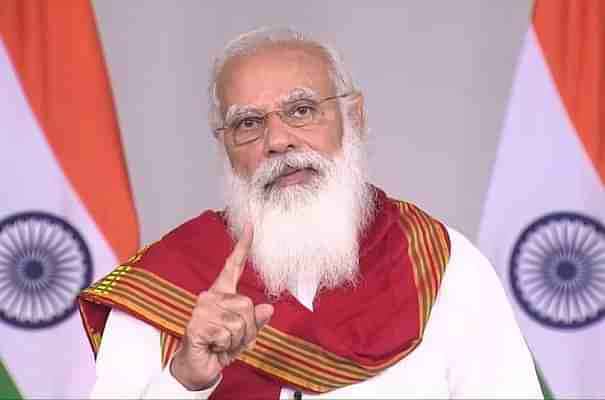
(252, 125)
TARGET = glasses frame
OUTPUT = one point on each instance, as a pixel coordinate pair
(225, 129)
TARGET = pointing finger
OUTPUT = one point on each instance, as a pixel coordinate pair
(234, 265)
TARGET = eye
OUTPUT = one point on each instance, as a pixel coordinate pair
(248, 123)
(302, 111)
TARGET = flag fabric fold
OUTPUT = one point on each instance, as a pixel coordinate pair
(543, 224)
(66, 214)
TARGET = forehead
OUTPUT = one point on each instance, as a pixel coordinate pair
(270, 73)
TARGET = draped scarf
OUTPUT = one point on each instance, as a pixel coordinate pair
(352, 334)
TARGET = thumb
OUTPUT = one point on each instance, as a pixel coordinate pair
(262, 314)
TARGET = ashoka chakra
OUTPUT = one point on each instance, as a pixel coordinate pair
(557, 270)
(44, 264)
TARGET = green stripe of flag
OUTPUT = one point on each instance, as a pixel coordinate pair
(8, 390)
(545, 389)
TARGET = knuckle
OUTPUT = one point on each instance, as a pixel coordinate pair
(218, 336)
(246, 302)
(203, 298)
(198, 315)
(240, 303)
(228, 317)
(194, 324)
(222, 335)
(213, 331)
(190, 333)
(234, 321)
(193, 334)
(239, 324)
(223, 338)
(226, 297)
(203, 294)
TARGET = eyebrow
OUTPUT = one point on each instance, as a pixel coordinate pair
(301, 93)
(240, 109)
(298, 94)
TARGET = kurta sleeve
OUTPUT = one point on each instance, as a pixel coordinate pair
(487, 356)
(128, 364)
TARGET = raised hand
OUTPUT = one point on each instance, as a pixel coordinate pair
(223, 324)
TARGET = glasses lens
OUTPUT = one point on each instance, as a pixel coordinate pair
(302, 113)
(247, 129)
(242, 136)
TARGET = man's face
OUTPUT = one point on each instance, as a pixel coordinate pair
(270, 79)
(290, 181)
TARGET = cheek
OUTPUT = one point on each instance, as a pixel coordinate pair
(334, 133)
(330, 140)
(243, 161)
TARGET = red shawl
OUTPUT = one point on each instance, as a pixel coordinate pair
(352, 334)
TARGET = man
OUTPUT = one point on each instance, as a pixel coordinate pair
(312, 282)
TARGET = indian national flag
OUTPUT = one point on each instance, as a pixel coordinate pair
(66, 211)
(544, 220)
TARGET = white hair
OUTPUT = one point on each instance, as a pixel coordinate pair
(249, 42)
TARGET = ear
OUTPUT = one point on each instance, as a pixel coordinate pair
(357, 111)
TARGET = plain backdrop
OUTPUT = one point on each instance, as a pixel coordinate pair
(435, 75)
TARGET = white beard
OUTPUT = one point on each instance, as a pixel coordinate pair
(306, 236)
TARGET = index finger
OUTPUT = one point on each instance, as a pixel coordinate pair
(234, 265)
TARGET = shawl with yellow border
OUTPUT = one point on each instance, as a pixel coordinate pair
(352, 334)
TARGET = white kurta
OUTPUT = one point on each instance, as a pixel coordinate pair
(472, 348)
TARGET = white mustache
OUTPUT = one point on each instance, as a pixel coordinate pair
(273, 168)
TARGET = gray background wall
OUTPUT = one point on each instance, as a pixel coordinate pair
(435, 74)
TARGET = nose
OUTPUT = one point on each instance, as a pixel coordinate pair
(279, 137)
